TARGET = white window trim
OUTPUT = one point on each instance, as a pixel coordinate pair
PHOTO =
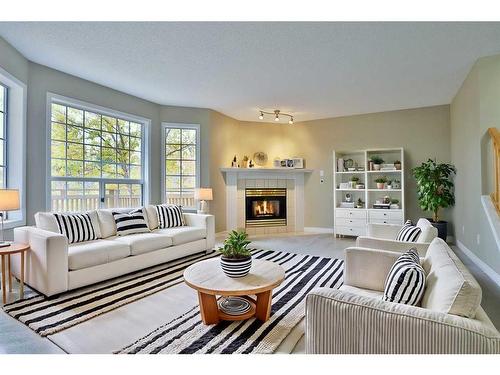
(17, 111)
(79, 104)
(164, 126)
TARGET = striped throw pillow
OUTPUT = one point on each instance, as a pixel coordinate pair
(76, 227)
(409, 232)
(169, 216)
(405, 282)
(130, 223)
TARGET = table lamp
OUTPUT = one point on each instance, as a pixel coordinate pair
(9, 201)
(203, 195)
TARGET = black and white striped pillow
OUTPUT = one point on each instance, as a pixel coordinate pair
(76, 227)
(405, 282)
(169, 216)
(131, 222)
(409, 232)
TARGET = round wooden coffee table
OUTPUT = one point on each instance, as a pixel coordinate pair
(210, 281)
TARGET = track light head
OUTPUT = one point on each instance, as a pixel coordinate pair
(261, 117)
(290, 121)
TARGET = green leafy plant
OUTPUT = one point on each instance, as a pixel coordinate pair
(394, 201)
(354, 179)
(389, 182)
(381, 180)
(435, 186)
(236, 245)
(377, 160)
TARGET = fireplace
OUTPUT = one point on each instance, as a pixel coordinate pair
(265, 207)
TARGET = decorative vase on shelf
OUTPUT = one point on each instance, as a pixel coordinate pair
(380, 185)
(376, 167)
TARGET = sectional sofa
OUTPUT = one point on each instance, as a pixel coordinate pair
(53, 266)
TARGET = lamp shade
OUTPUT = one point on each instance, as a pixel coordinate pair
(9, 199)
(203, 194)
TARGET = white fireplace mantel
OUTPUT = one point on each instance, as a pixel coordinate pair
(233, 175)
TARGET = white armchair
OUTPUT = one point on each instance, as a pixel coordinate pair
(383, 237)
(355, 319)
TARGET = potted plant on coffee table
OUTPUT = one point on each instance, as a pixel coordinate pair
(381, 182)
(435, 190)
(236, 259)
(377, 162)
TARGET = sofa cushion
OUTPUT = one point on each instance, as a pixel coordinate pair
(47, 221)
(408, 233)
(429, 232)
(107, 221)
(76, 227)
(131, 222)
(182, 235)
(450, 286)
(170, 216)
(152, 216)
(93, 253)
(405, 282)
(141, 243)
(362, 292)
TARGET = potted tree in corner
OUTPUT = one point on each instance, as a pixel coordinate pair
(435, 191)
(236, 259)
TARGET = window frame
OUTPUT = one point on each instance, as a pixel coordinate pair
(5, 138)
(15, 143)
(145, 149)
(173, 125)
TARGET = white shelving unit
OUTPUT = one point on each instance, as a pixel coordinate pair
(353, 221)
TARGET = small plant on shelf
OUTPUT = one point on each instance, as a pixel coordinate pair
(354, 179)
(377, 162)
(360, 203)
(381, 182)
(397, 165)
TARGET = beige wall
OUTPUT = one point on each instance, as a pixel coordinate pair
(423, 133)
(474, 109)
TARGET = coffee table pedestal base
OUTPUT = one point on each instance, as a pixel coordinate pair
(210, 313)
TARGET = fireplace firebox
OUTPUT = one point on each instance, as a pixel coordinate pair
(265, 207)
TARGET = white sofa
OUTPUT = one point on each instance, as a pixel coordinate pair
(355, 319)
(54, 266)
(383, 237)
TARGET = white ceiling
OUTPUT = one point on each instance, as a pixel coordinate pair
(312, 70)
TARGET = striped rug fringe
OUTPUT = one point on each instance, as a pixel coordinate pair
(49, 315)
(186, 334)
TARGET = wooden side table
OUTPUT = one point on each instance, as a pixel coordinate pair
(5, 253)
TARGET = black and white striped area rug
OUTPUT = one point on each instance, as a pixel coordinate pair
(49, 315)
(187, 334)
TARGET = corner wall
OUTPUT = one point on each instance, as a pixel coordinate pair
(473, 110)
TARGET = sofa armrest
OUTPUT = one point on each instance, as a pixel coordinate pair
(204, 221)
(391, 245)
(367, 268)
(46, 262)
(384, 231)
(339, 322)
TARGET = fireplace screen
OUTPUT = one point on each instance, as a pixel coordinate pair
(265, 207)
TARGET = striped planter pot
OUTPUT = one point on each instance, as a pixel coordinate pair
(236, 267)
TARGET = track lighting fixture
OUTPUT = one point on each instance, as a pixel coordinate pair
(277, 113)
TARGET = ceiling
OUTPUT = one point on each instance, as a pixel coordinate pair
(312, 70)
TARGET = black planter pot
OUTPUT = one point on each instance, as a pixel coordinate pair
(236, 267)
(442, 227)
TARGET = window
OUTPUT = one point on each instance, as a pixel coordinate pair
(181, 163)
(3, 137)
(96, 159)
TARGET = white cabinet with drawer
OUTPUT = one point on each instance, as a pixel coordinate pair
(385, 217)
(352, 214)
(351, 231)
(350, 222)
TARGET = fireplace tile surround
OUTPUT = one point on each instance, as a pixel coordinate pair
(237, 180)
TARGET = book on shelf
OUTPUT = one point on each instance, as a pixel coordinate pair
(346, 205)
(382, 206)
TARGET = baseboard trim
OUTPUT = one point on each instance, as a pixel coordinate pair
(490, 272)
(318, 230)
